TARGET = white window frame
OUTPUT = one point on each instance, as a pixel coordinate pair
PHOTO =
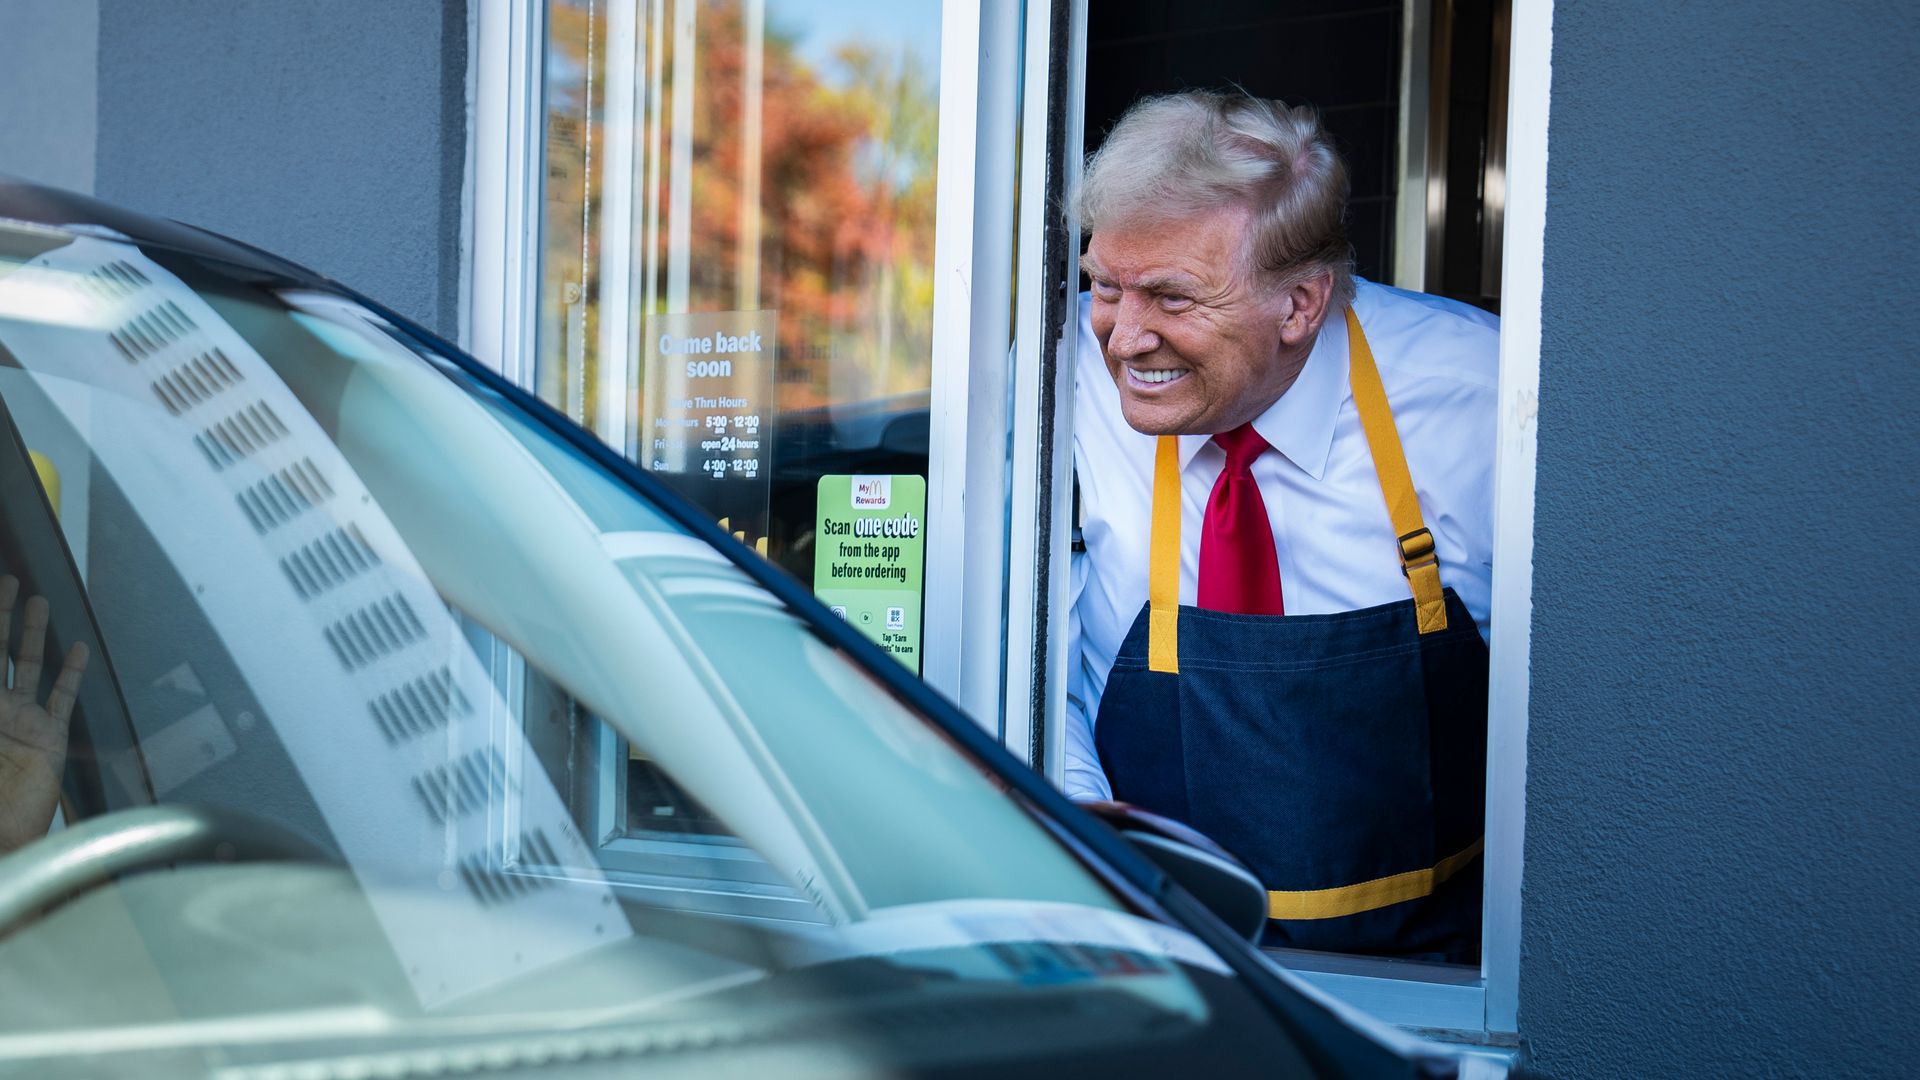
(967, 476)
(1529, 85)
(498, 314)
(981, 578)
(1040, 527)
(965, 572)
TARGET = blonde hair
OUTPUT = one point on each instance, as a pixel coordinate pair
(1178, 155)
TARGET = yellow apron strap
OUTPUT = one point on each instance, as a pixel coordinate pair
(1417, 559)
(1163, 560)
(1368, 895)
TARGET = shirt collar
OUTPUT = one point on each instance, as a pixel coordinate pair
(1300, 424)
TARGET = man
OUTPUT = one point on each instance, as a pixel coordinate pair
(1286, 490)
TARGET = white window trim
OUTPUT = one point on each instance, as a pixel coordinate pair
(1529, 84)
(963, 649)
(1031, 652)
(503, 148)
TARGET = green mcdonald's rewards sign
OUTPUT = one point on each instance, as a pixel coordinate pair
(869, 550)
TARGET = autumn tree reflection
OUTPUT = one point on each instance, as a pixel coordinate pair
(840, 242)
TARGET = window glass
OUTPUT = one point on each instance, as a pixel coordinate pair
(735, 283)
(737, 235)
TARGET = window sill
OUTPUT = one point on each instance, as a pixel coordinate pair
(1434, 999)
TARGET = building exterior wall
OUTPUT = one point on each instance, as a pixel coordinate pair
(1724, 780)
(1724, 775)
(333, 134)
(48, 50)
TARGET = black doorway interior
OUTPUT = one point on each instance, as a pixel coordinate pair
(1345, 58)
(1342, 56)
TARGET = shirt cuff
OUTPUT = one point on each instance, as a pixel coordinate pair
(1086, 785)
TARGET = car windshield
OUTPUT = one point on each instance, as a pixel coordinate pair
(488, 754)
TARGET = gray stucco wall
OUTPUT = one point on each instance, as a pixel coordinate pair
(48, 50)
(331, 133)
(1723, 784)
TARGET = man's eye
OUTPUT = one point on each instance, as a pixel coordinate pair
(1175, 302)
(1106, 290)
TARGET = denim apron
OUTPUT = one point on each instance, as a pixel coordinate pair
(1341, 756)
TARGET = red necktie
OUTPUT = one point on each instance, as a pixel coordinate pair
(1239, 568)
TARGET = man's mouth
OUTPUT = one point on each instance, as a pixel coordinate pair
(1153, 378)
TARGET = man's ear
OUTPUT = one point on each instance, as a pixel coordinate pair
(1310, 299)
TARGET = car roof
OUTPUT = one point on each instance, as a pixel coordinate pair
(38, 204)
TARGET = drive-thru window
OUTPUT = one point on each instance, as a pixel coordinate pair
(807, 263)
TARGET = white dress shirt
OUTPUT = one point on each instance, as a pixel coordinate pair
(1439, 363)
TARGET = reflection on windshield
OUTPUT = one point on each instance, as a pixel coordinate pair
(363, 670)
(341, 589)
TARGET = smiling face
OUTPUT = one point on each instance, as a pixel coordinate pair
(1197, 342)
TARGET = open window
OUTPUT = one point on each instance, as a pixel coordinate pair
(1440, 108)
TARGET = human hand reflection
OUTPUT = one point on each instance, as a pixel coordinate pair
(33, 735)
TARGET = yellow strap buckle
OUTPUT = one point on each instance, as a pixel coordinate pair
(1417, 550)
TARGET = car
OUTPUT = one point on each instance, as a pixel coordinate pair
(421, 734)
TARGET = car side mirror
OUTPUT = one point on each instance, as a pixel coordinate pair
(1210, 872)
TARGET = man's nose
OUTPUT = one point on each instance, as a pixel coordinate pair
(1130, 337)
